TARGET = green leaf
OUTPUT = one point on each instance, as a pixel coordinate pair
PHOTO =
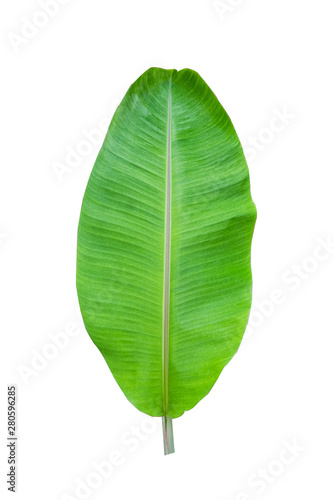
(164, 243)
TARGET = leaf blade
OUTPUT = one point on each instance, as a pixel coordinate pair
(180, 132)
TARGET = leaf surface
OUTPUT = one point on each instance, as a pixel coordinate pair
(164, 243)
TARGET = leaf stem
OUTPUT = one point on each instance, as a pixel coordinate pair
(169, 446)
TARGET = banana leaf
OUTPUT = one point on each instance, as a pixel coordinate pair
(164, 244)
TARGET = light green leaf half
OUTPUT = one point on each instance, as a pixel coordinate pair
(164, 241)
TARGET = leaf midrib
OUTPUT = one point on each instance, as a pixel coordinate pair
(166, 295)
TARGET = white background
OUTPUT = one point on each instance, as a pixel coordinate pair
(261, 58)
